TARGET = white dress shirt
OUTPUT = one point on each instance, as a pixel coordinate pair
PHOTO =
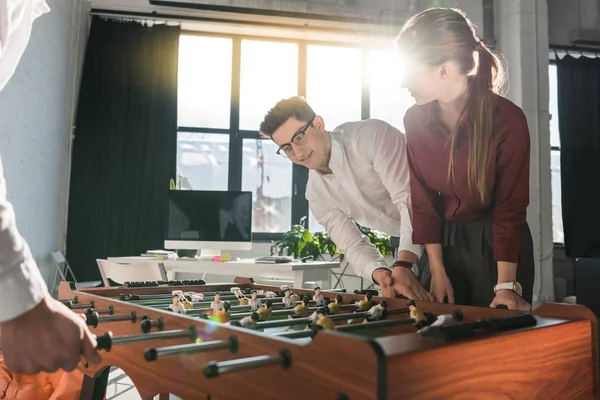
(370, 184)
(21, 284)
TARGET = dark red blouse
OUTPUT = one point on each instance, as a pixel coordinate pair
(507, 195)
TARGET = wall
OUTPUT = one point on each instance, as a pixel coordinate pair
(522, 37)
(564, 17)
(35, 123)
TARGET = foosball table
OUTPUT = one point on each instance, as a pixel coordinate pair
(242, 340)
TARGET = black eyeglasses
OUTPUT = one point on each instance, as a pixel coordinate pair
(299, 139)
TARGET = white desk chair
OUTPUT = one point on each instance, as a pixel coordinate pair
(138, 272)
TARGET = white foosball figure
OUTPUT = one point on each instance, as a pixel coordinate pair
(254, 302)
(196, 297)
(249, 321)
(177, 306)
(444, 320)
(318, 298)
(288, 301)
(217, 305)
(377, 312)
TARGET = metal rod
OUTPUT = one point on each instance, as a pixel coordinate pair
(214, 369)
(283, 322)
(296, 334)
(114, 318)
(82, 306)
(154, 354)
(376, 324)
(106, 341)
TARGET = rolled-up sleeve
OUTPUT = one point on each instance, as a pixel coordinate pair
(21, 284)
(362, 255)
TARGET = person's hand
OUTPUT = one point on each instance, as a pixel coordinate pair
(400, 281)
(511, 300)
(47, 338)
(441, 287)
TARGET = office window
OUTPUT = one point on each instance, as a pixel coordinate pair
(204, 87)
(389, 100)
(269, 73)
(557, 223)
(334, 83)
(269, 177)
(202, 161)
(227, 85)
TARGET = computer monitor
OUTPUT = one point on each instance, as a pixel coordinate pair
(209, 221)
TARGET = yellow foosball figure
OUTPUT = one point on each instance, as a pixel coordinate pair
(244, 301)
(415, 312)
(323, 321)
(336, 306)
(265, 312)
(365, 304)
(224, 315)
(301, 310)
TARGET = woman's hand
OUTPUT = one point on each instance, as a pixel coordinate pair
(511, 300)
(441, 287)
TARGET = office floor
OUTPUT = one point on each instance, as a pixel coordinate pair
(120, 387)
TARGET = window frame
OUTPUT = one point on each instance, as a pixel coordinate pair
(552, 149)
(300, 206)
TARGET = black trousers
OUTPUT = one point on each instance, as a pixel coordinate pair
(468, 253)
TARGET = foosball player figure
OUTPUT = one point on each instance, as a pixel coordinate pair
(318, 297)
(265, 312)
(247, 322)
(187, 303)
(287, 300)
(335, 307)
(224, 315)
(216, 304)
(416, 313)
(196, 297)
(254, 302)
(365, 303)
(296, 297)
(176, 306)
(377, 312)
(323, 321)
(445, 320)
(301, 310)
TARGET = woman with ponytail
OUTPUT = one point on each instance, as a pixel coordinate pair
(468, 151)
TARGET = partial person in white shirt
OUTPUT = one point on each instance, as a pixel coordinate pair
(358, 171)
(38, 332)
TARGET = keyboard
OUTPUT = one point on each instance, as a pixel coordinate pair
(273, 260)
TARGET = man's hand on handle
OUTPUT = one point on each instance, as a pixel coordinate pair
(47, 338)
(400, 281)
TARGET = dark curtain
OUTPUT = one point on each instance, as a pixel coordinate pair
(125, 143)
(579, 124)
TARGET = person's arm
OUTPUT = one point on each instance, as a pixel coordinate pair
(385, 147)
(511, 196)
(362, 255)
(22, 287)
(426, 206)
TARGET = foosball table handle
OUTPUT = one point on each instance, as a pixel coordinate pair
(214, 369)
(501, 307)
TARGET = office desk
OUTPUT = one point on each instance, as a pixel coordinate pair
(298, 272)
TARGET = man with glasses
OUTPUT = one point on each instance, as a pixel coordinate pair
(359, 172)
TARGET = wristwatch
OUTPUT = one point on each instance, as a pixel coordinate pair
(514, 286)
(407, 265)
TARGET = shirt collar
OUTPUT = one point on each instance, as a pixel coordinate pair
(336, 150)
(433, 121)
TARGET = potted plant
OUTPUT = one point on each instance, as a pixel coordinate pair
(301, 242)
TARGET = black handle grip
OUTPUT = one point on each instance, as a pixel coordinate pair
(501, 307)
(92, 319)
(104, 341)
